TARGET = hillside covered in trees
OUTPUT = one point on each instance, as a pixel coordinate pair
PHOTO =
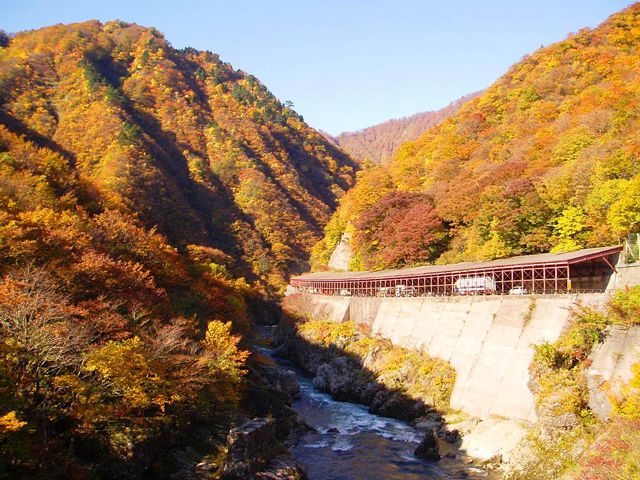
(545, 159)
(378, 143)
(150, 200)
(177, 138)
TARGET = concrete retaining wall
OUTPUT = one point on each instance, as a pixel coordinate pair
(488, 340)
(626, 276)
(364, 310)
(611, 363)
(335, 309)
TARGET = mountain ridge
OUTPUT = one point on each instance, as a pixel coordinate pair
(178, 137)
(378, 143)
(547, 151)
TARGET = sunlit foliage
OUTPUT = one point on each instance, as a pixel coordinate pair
(569, 441)
(378, 144)
(178, 138)
(544, 159)
(147, 197)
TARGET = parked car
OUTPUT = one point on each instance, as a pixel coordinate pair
(518, 291)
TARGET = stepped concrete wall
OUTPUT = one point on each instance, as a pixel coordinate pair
(488, 340)
(364, 309)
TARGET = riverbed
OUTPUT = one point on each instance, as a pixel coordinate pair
(349, 443)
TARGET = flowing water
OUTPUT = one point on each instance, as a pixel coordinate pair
(350, 443)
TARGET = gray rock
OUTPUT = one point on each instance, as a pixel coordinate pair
(551, 420)
(336, 378)
(492, 463)
(282, 467)
(283, 381)
(370, 391)
(452, 436)
(428, 448)
(395, 405)
(425, 425)
(248, 446)
(250, 440)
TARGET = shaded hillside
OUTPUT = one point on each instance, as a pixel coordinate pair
(380, 142)
(177, 138)
(138, 183)
(544, 159)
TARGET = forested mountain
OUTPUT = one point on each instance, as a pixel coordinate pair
(545, 159)
(176, 138)
(379, 143)
(138, 185)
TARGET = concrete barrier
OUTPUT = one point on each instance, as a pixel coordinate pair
(488, 340)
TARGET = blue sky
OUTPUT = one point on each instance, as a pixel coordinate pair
(352, 63)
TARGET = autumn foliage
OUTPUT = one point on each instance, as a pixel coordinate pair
(401, 228)
(544, 159)
(117, 119)
(87, 366)
(138, 186)
(379, 143)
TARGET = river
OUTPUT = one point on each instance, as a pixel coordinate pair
(349, 443)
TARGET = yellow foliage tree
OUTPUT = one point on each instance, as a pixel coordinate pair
(10, 423)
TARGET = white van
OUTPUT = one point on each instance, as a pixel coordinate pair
(475, 286)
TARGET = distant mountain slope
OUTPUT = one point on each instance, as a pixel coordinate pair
(545, 158)
(176, 137)
(379, 142)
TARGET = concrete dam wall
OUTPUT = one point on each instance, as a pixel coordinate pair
(488, 340)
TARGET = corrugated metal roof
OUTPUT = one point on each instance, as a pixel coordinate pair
(540, 259)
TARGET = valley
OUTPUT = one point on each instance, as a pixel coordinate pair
(197, 284)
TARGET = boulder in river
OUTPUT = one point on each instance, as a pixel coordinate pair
(249, 445)
(283, 381)
(429, 421)
(337, 378)
(428, 448)
(396, 405)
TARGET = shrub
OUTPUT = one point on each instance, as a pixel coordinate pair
(624, 308)
(615, 454)
(628, 404)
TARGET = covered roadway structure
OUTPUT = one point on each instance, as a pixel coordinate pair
(582, 270)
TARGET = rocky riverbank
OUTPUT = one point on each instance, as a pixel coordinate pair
(260, 436)
(259, 448)
(350, 365)
(354, 367)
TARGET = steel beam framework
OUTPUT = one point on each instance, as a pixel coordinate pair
(536, 278)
